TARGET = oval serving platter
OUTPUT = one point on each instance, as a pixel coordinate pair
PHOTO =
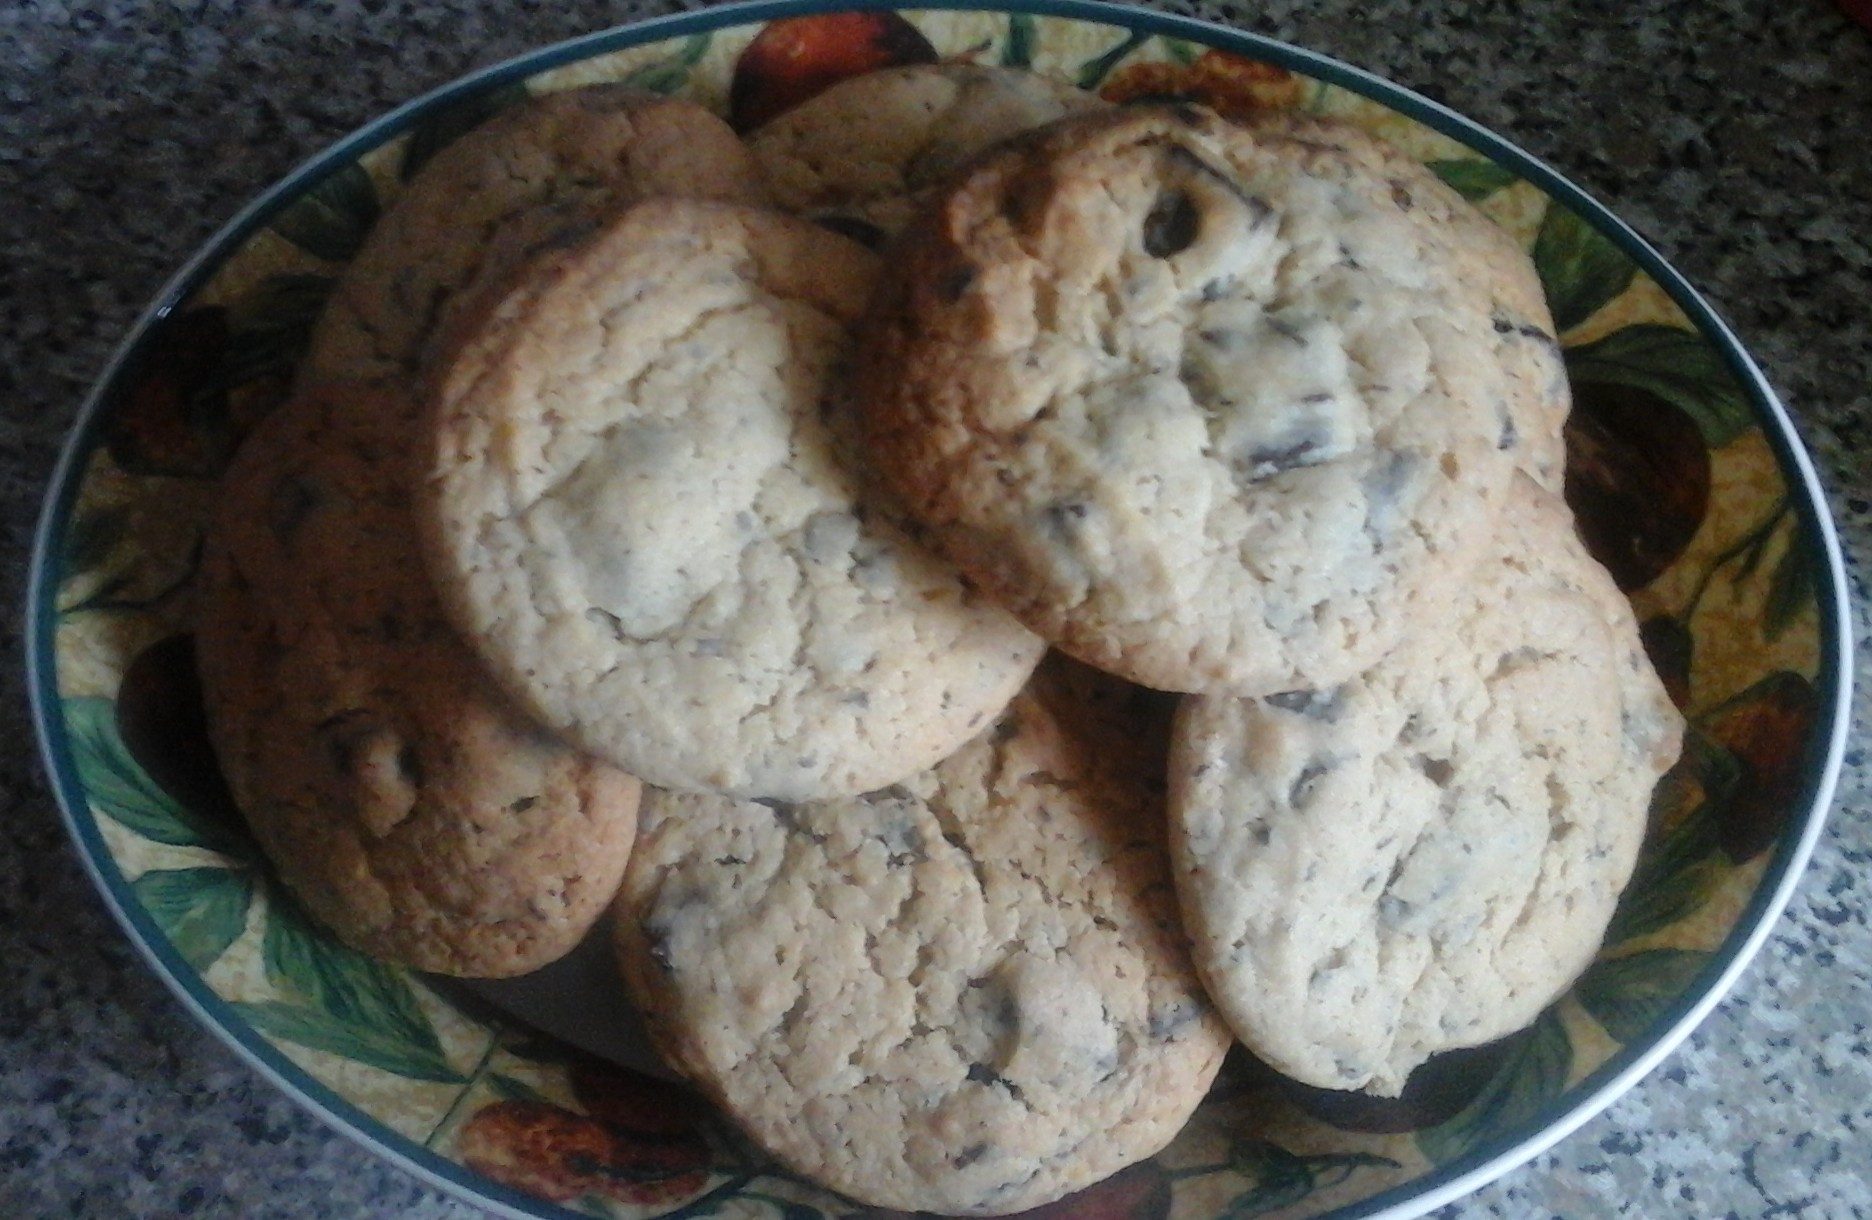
(1686, 473)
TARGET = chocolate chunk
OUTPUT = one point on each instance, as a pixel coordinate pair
(861, 231)
(1314, 704)
(1172, 224)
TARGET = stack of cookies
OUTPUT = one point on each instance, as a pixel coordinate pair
(1135, 612)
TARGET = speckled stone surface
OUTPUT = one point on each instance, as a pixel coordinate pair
(1734, 134)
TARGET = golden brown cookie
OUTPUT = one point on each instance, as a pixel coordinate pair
(641, 512)
(553, 164)
(967, 993)
(1424, 856)
(1210, 406)
(400, 796)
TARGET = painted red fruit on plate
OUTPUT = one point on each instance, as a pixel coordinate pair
(551, 1153)
(1767, 728)
(798, 58)
(1638, 479)
(172, 419)
(1234, 86)
(165, 727)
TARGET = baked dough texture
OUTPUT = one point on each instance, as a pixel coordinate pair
(1213, 407)
(548, 166)
(1425, 856)
(643, 512)
(401, 798)
(967, 993)
(865, 154)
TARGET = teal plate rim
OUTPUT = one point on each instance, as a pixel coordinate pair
(1585, 1099)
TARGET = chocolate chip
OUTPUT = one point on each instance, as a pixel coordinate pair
(409, 765)
(1437, 770)
(1164, 1024)
(1269, 460)
(1313, 704)
(957, 282)
(1171, 225)
(342, 731)
(1305, 785)
(981, 1073)
(861, 231)
(787, 814)
(656, 941)
(969, 1155)
(288, 507)
(1384, 484)
(1286, 329)
(607, 620)
(1063, 521)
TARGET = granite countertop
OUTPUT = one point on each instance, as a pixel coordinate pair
(1736, 136)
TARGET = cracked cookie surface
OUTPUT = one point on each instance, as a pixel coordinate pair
(967, 993)
(643, 512)
(559, 161)
(862, 156)
(401, 797)
(1423, 857)
(1210, 406)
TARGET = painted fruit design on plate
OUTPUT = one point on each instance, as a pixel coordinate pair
(1233, 86)
(638, 1140)
(795, 59)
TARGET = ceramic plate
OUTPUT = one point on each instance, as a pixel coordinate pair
(528, 1098)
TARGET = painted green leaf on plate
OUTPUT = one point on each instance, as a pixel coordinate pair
(1580, 269)
(270, 326)
(1473, 178)
(1019, 50)
(443, 127)
(1282, 1178)
(790, 1210)
(1678, 366)
(120, 789)
(378, 1048)
(1767, 731)
(201, 910)
(1096, 70)
(1181, 51)
(91, 538)
(1533, 1074)
(1677, 872)
(1627, 994)
(508, 1088)
(351, 1004)
(668, 75)
(1790, 590)
(331, 220)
